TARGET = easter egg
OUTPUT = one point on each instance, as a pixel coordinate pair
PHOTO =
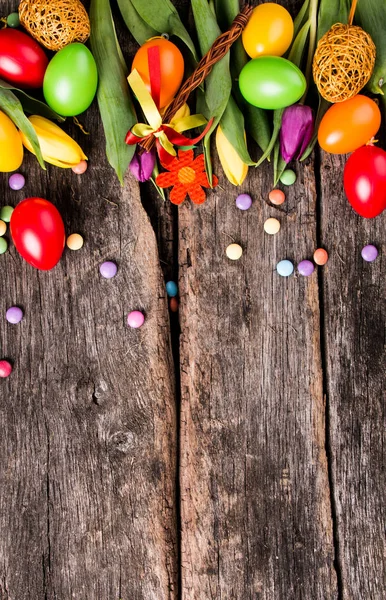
(171, 66)
(22, 61)
(71, 80)
(11, 148)
(365, 181)
(271, 82)
(38, 232)
(349, 125)
(269, 31)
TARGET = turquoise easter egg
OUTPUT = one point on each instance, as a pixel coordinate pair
(71, 80)
(271, 82)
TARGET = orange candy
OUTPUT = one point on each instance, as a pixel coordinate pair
(171, 64)
(276, 197)
(174, 304)
(320, 256)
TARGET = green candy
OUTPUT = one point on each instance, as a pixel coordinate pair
(288, 177)
(13, 20)
(3, 245)
(5, 213)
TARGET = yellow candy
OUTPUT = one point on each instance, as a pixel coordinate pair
(74, 241)
(271, 226)
(3, 228)
(234, 251)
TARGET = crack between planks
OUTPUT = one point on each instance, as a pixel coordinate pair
(323, 354)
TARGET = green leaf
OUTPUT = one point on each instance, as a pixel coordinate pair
(138, 28)
(298, 45)
(330, 12)
(32, 105)
(114, 100)
(279, 164)
(277, 117)
(232, 125)
(322, 109)
(11, 105)
(371, 15)
(301, 17)
(162, 16)
(226, 11)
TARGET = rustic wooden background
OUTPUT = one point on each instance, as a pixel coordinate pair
(233, 452)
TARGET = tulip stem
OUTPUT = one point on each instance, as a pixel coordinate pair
(313, 17)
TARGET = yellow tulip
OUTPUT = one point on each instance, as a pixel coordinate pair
(57, 147)
(11, 149)
(234, 168)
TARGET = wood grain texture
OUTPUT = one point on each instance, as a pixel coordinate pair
(255, 505)
(354, 329)
(88, 426)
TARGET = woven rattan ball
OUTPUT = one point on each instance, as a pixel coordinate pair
(55, 23)
(343, 62)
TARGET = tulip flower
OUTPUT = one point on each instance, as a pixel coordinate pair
(296, 131)
(142, 165)
(57, 147)
(234, 168)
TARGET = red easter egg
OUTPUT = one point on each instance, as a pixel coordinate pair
(365, 181)
(38, 232)
(22, 61)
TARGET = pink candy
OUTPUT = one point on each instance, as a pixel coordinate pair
(135, 319)
(5, 369)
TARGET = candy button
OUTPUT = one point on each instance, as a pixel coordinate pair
(5, 213)
(135, 319)
(306, 268)
(369, 253)
(288, 177)
(3, 228)
(234, 251)
(171, 289)
(320, 256)
(14, 315)
(5, 369)
(271, 226)
(80, 168)
(285, 268)
(3, 245)
(244, 201)
(108, 269)
(276, 197)
(75, 241)
(16, 181)
(13, 20)
(174, 305)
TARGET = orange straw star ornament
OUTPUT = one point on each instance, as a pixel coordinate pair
(187, 176)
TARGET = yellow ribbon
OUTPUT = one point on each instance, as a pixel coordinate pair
(154, 119)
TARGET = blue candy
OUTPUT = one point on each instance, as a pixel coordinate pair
(285, 268)
(171, 289)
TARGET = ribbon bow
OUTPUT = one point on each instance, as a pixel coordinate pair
(167, 134)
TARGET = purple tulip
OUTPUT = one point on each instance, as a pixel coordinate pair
(142, 165)
(296, 131)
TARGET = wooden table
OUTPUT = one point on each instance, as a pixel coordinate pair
(233, 452)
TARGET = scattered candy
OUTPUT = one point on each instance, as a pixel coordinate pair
(5, 213)
(320, 256)
(285, 268)
(171, 289)
(108, 269)
(14, 315)
(75, 241)
(135, 319)
(288, 177)
(13, 20)
(80, 168)
(234, 251)
(5, 369)
(3, 245)
(244, 201)
(369, 253)
(174, 304)
(271, 226)
(16, 181)
(3, 228)
(276, 197)
(306, 268)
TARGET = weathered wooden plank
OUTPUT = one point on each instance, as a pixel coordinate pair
(255, 506)
(88, 429)
(354, 313)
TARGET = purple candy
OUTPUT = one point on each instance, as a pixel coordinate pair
(369, 253)
(135, 319)
(306, 268)
(108, 269)
(16, 181)
(244, 201)
(14, 315)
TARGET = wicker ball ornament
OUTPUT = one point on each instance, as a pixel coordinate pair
(343, 62)
(55, 23)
